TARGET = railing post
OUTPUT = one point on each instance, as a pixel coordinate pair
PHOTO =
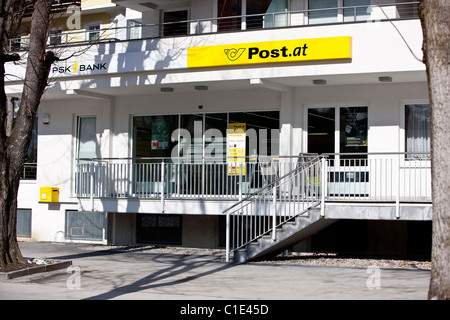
(274, 213)
(397, 197)
(91, 178)
(240, 181)
(323, 186)
(227, 238)
(162, 186)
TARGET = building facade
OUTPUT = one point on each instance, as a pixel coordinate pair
(170, 113)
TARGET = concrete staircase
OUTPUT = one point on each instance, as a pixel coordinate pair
(289, 233)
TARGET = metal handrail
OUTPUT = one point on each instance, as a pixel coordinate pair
(273, 205)
(274, 183)
(251, 157)
(216, 20)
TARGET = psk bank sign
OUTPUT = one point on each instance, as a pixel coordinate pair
(301, 50)
(76, 68)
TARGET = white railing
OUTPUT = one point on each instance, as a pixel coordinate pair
(367, 13)
(382, 177)
(263, 211)
(154, 178)
(386, 177)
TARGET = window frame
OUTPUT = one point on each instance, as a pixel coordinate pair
(77, 134)
(337, 129)
(88, 32)
(188, 15)
(58, 33)
(402, 126)
(205, 143)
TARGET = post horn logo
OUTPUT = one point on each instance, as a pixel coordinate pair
(234, 54)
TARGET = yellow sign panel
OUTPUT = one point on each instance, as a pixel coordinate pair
(317, 49)
(236, 141)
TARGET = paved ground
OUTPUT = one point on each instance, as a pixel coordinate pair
(102, 274)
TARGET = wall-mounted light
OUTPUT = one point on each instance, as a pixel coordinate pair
(201, 88)
(46, 119)
(319, 82)
(385, 79)
(167, 89)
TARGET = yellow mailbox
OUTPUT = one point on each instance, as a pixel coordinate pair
(49, 194)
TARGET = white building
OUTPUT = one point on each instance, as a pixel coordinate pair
(134, 130)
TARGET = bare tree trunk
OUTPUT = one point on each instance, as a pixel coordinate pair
(13, 148)
(435, 18)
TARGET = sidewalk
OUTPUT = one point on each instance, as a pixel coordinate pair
(102, 274)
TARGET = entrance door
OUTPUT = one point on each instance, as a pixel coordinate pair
(342, 132)
(321, 130)
(338, 130)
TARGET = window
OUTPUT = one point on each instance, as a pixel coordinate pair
(200, 146)
(55, 37)
(269, 8)
(266, 14)
(94, 33)
(30, 166)
(358, 10)
(321, 130)
(87, 138)
(338, 130)
(417, 131)
(229, 8)
(153, 135)
(134, 30)
(204, 135)
(175, 23)
(353, 130)
(262, 131)
(24, 223)
(322, 16)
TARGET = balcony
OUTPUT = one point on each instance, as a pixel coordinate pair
(371, 177)
(302, 18)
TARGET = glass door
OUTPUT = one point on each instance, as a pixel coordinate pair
(342, 131)
(153, 142)
(321, 130)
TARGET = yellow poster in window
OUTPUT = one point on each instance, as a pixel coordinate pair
(236, 142)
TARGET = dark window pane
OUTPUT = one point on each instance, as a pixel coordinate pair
(353, 131)
(321, 128)
(171, 25)
(229, 8)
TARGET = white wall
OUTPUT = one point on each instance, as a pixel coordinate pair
(377, 49)
(384, 106)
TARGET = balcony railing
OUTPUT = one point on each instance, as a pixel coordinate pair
(351, 14)
(381, 177)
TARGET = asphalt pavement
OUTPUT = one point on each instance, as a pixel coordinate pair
(104, 274)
